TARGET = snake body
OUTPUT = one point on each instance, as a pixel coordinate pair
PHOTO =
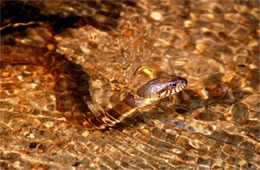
(152, 91)
(69, 76)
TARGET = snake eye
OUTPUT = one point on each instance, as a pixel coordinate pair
(172, 84)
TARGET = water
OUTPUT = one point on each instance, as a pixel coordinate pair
(213, 123)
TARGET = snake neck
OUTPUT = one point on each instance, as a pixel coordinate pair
(119, 112)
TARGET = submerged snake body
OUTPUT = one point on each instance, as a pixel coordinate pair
(68, 77)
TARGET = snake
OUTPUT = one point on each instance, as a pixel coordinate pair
(68, 78)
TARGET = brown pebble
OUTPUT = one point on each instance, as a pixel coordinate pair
(202, 93)
(218, 91)
(23, 152)
(127, 33)
(68, 115)
(50, 47)
(196, 114)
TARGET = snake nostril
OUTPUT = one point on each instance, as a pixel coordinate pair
(184, 81)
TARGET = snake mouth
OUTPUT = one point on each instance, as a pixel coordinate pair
(179, 87)
(182, 86)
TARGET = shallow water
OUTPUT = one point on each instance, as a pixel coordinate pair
(212, 124)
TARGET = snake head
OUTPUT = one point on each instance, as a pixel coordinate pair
(162, 87)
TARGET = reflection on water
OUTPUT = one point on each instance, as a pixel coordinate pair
(213, 123)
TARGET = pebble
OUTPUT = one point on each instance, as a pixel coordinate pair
(86, 133)
(203, 93)
(156, 15)
(49, 124)
(20, 77)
